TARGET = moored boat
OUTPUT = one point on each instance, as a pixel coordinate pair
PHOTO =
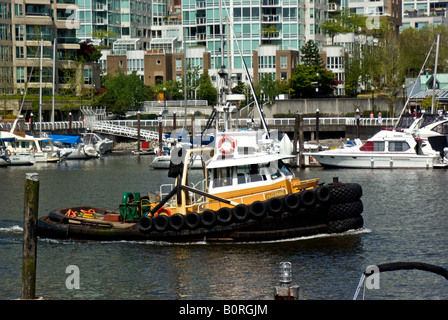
(386, 149)
(246, 195)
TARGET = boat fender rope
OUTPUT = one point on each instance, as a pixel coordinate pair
(89, 214)
(71, 214)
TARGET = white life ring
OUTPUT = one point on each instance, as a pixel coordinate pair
(227, 145)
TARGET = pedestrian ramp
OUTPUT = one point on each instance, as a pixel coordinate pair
(124, 131)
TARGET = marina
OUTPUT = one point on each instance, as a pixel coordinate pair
(404, 220)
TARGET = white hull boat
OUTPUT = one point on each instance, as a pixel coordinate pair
(163, 162)
(386, 149)
(72, 147)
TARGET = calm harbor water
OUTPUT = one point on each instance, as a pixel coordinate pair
(405, 219)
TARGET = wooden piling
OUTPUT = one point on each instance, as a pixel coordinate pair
(160, 134)
(174, 121)
(138, 132)
(286, 293)
(296, 138)
(301, 143)
(29, 253)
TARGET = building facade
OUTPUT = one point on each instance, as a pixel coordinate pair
(35, 31)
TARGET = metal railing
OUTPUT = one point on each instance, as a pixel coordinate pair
(128, 128)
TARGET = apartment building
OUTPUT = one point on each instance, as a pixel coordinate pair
(419, 14)
(30, 30)
(246, 25)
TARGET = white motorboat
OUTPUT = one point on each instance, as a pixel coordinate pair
(72, 147)
(163, 161)
(21, 144)
(386, 149)
(101, 145)
(4, 155)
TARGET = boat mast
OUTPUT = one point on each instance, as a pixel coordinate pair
(434, 82)
(54, 83)
(40, 84)
(413, 86)
(223, 75)
(249, 78)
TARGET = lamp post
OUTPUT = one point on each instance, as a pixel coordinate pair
(357, 116)
(138, 131)
(373, 100)
(31, 123)
(70, 122)
(164, 96)
(159, 118)
(317, 125)
(404, 92)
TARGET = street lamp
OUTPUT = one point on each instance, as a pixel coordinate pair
(357, 116)
(164, 96)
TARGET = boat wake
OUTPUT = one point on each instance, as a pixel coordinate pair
(206, 242)
(12, 229)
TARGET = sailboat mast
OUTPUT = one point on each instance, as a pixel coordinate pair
(54, 83)
(40, 83)
(434, 82)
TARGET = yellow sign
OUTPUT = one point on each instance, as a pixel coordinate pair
(277, 193)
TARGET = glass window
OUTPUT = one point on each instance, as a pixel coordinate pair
(178, 64)
(398, 146)
(283, 62)
(222, 177)
(20, 71)
(378, 146)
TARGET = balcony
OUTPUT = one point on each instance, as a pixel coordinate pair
(271, 3)
(271, 18)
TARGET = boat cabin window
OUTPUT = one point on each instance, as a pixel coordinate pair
(284, 169)
(441, 128)
(373, 146)
(222, 177)
(399, 146)
(249, 173)
(379, 146)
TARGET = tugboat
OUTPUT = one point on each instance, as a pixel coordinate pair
(247, 194)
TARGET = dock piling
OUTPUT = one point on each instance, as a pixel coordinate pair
(29, 252)
(301, 143)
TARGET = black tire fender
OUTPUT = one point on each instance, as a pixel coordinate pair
(323, 194)
(161, 222)
(145, 224)
(275, 206)
(192, 220)
(308, 198)
(176, 221)
(224, 216)
(258, 209)
(291, 202)
(240, 213)
(208, 218)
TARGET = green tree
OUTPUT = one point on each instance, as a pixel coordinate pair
(122, 93)
(310, 55)
(206, 89)
(268, 85)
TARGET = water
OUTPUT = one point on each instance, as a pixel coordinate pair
(405, 219)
